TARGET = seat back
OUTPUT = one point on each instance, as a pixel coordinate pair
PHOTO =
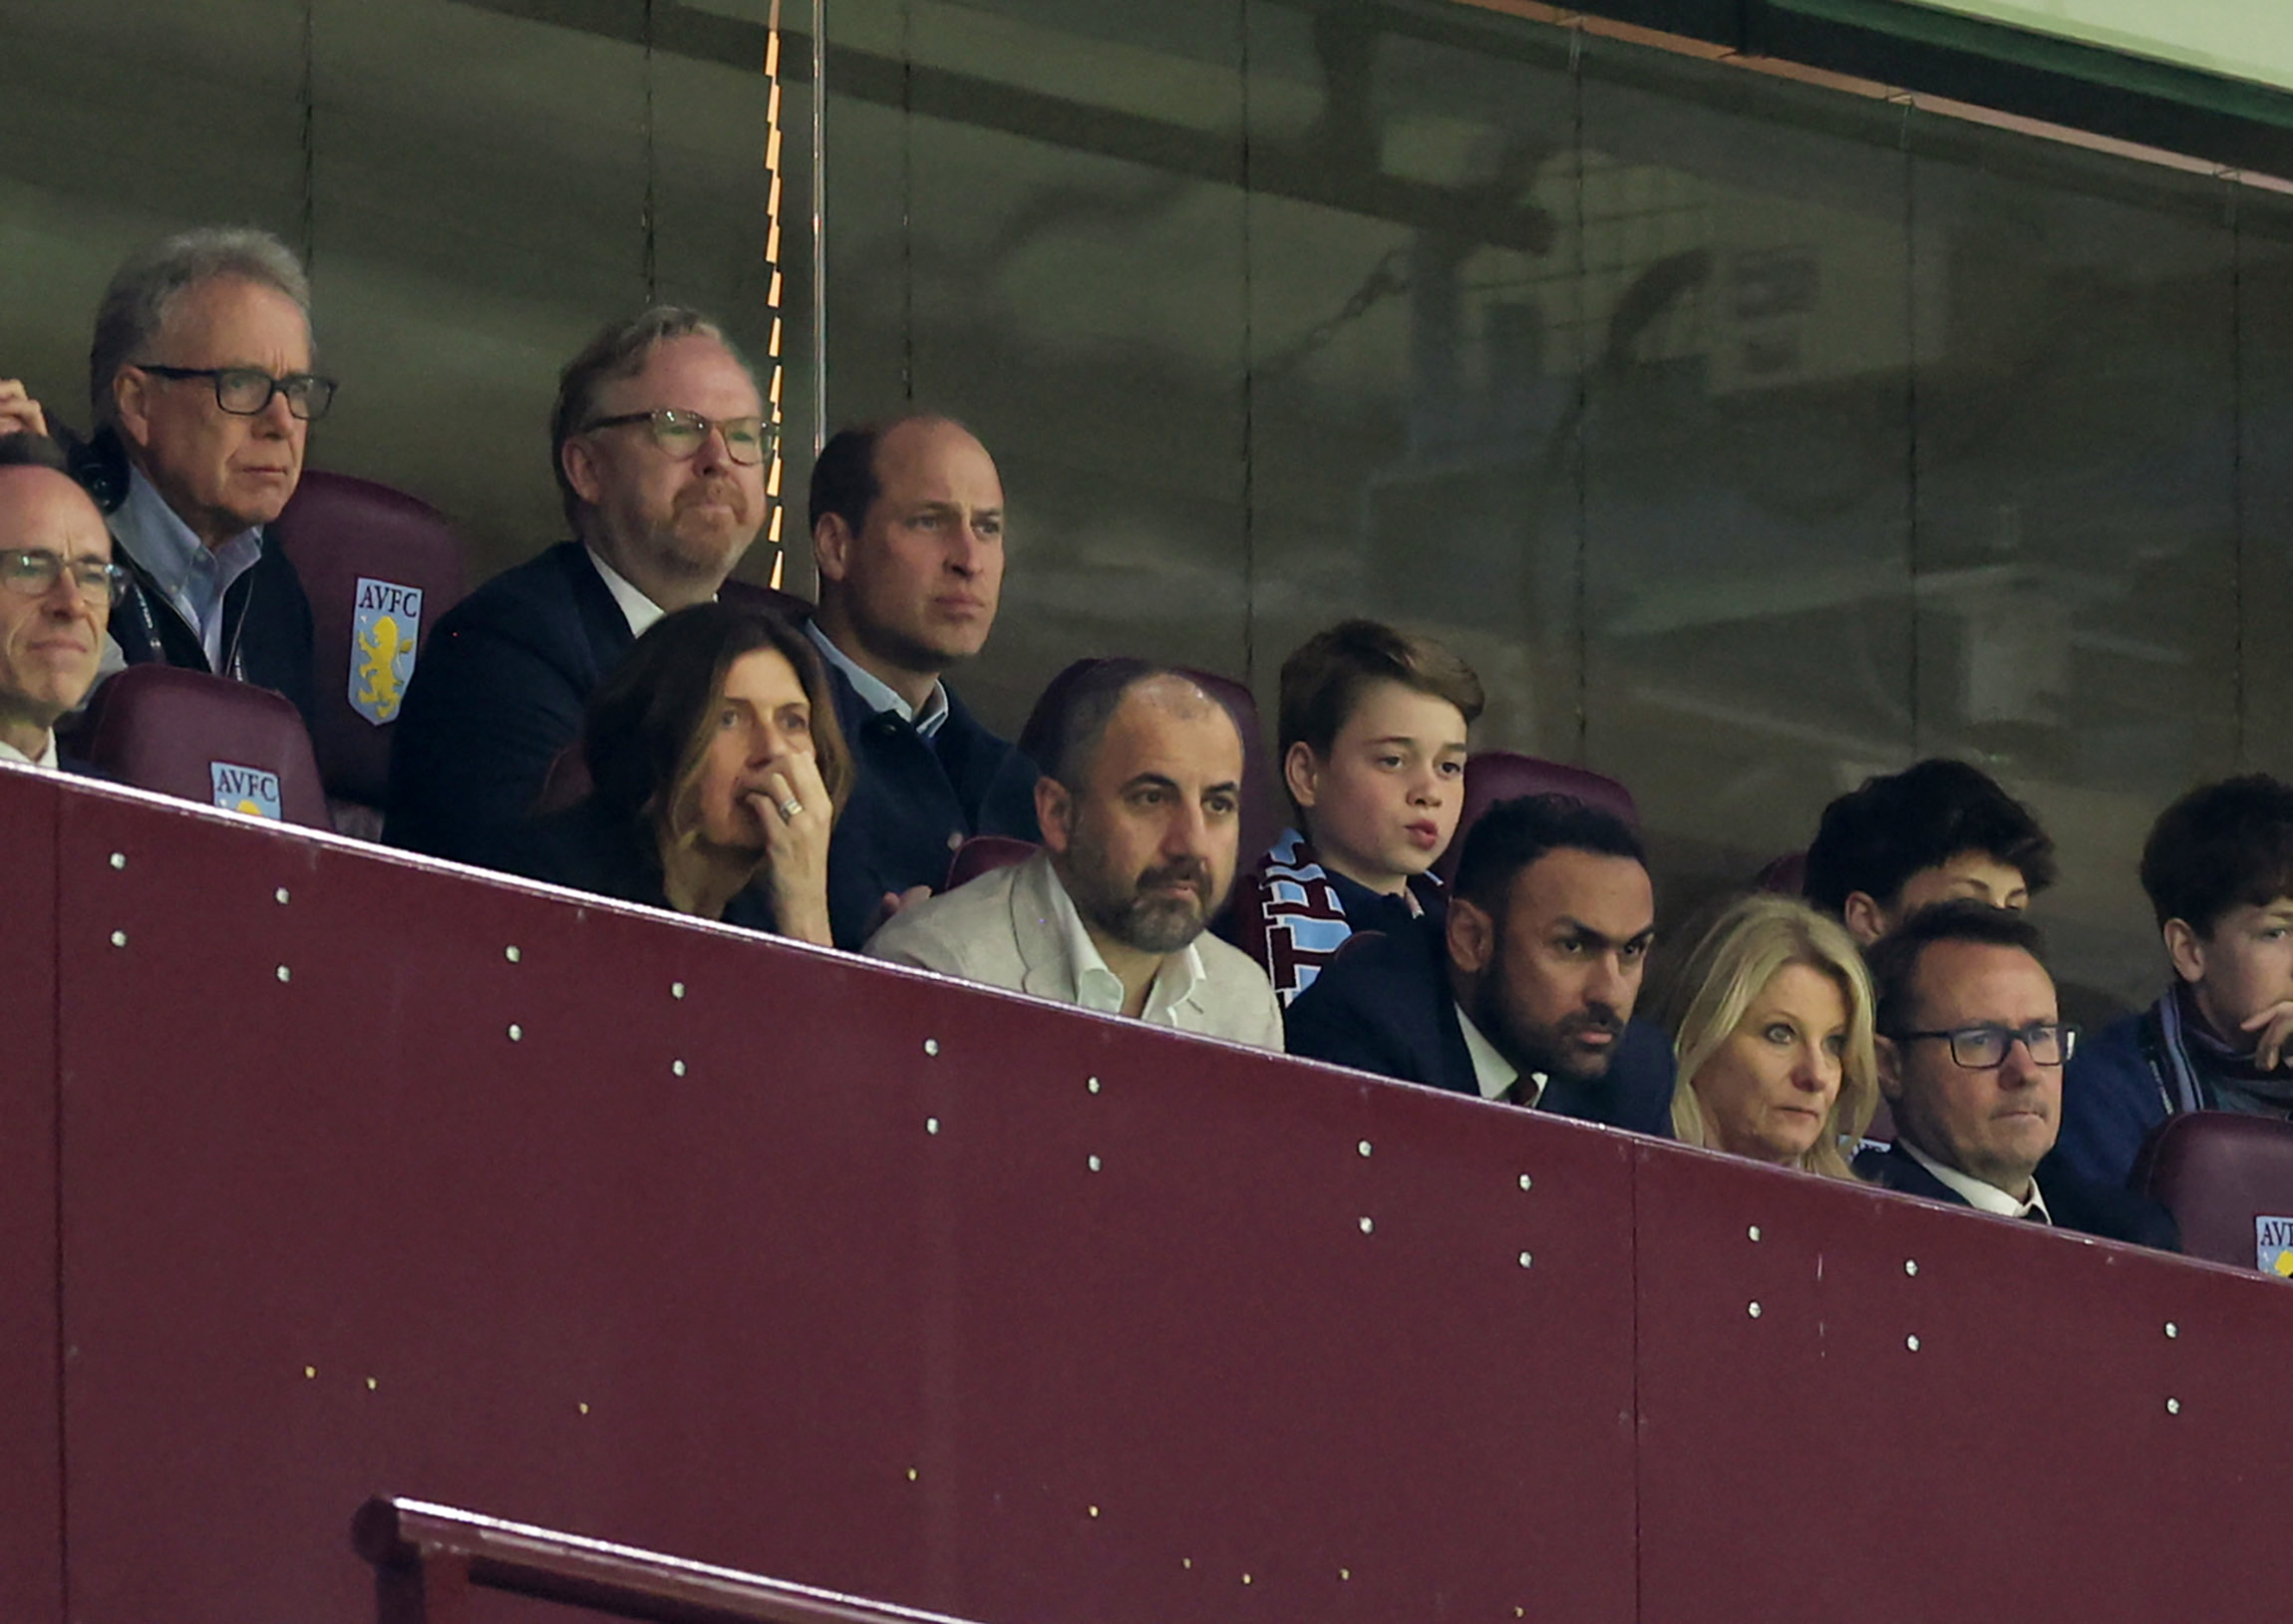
(750, 596)
(379, 567)
(984, 853)
(1784, 877)
(2227, 1178)
(1261, 816)
(1501, 775)
(207, 738)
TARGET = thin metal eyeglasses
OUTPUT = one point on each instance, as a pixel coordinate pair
(246, 390)
(682, 433)
(33, 574)
(1984, 1046)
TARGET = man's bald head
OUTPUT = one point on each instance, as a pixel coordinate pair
(52, 620)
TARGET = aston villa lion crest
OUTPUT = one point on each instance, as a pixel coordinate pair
(381, 647)
(2273, 1246)
(247, 790)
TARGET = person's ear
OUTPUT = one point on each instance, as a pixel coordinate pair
(1301, 774)
(832, 549)
(1865, 921)
(1890, 1058)
(132, 404)
(579, 461)
(2186, 951)
(1054, 809)
(1471, 935)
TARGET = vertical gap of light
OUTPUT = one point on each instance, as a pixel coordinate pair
(1249, 390)
(1911, 425)
(775, 507)
(652, 167)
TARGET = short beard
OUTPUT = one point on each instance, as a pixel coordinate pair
(1149, 926)
(1532, 1047)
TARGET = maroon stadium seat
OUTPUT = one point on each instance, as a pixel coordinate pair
(371, 558)
(2225, 1176)
(1784, 877)
(1500, 775)
(984, 853)
(207, 738)
(1261, 818)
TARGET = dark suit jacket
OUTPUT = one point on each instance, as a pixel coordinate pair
(587, 848)
(914, 799)
(1385, 1006)
(499, 692)
(2072, 1202)
(266, 628)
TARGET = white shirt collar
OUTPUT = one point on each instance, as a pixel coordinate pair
(636, 608)
(1492, 1069)
(878, 694)
(1099, 988)
(1983, 1197)
(46, 758)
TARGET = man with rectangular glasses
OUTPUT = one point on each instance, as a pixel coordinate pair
(1971, 1049)
(57, 588)
(660, 444)
(201, 379)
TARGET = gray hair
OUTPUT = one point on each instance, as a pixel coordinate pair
(144, 292)
(619, 351)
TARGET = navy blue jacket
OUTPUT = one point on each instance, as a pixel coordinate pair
(1384, 1005)
(2072, 1202)
(266, 627)
(2113, 1094)
(587, 848)
(499, 692)
(914, 802)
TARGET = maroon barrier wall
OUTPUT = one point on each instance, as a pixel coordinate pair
(379, 1179)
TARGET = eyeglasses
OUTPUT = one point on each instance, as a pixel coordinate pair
(682, 433)
(33, 574)
(246, 390)
(1981, 1047)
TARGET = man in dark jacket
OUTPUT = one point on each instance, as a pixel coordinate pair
(203, 399)
(1971, 1048)
(1524, 991)
(659, 446)
(908, 533)
(2218, 867)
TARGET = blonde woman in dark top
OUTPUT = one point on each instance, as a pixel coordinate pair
(1771, 1025)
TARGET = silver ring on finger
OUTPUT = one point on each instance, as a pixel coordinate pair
(789, 810)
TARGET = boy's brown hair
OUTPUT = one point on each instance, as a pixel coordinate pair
(1323, 681)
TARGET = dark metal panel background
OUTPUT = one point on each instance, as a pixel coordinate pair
(2020, 1460)
(338, 1233)
(31, 1487)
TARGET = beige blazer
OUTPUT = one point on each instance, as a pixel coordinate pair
(1004, 929)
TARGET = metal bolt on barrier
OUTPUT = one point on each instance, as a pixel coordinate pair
(1752, 1309)
(2173, 1407)
(931, 1045)
(1526, 1182)
(119, 938)
(676, 1068)
(1094, 1085)
(1753, 1233)
(931, 1125)
(516, 1033)
(1911, 1265)
(1911, 1343)
(1094, 1163)
(676, 989)
(285, 974)
(281, 897)
(511, 954)
(1368, 1224)
(584, 1410)
(2171, 1328)
(1363, 1148)
(118, 859)
(1527, 1260)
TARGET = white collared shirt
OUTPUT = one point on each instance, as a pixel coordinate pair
(1098, 988)
(1979, 1196)
(193, 576)
(1492, 1069)
(46, 758)
(636, 608)
(878, 694)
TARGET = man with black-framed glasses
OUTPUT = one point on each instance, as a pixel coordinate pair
(57, 588)
(1971, 1048)
(200, 380)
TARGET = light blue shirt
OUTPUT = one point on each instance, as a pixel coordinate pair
(876, 693)
(193, 576)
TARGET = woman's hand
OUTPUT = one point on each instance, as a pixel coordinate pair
(18, 412)
(796, 865)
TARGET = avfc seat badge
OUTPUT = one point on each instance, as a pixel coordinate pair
(2273, 1246)
(247, 790)
(382, 638)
